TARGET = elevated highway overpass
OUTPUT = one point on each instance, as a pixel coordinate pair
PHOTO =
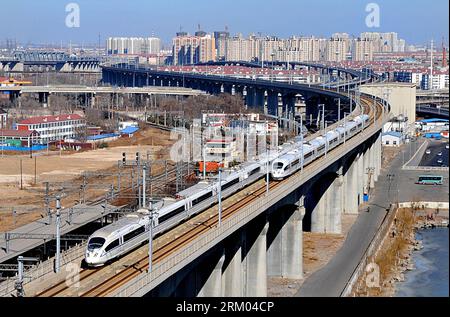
(276, 98)
(90, 93)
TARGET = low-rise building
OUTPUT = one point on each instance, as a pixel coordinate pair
(51, 128)
(19, 138)
(221, 151)
(392, 139)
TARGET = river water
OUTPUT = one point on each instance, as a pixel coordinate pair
(430, 277)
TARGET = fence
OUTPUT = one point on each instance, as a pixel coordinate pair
(425, 168)
(370, 251)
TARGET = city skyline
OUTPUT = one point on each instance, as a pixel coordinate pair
(250, 17)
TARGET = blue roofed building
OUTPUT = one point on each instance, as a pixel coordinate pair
(432, 125)
(130, 130)
(392, 138)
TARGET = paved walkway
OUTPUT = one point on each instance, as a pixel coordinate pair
(331, 280)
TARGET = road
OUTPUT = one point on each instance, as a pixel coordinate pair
(331, 280)
(435, 148)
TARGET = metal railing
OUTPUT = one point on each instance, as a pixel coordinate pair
(44, 269)
(370, 251)
(425, 168)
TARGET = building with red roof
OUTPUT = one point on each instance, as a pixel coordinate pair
(26, 138)
(51, 128)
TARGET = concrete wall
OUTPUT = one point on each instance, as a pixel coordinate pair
(402, 97)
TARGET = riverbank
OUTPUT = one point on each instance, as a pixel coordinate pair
(393, 257)
(430, 276)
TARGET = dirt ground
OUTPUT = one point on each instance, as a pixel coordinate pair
(318, 250)
(66, 171)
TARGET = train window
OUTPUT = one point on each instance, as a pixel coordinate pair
(112, 245)
(133, 233)
(295, 162)
(279, 166)
(95, 243)
(201, 198)
(308, 155)
(171, 214)
(321, 148)
(229, 184)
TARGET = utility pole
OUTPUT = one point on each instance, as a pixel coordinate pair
(220, 196)
(150, 240)
(21, 182)
(20, 274)
(204, 161)
(58, 234)
(35, 172)
(339, 109)
(301, 140)
(47, 203)
(144, 176)
(267, 160)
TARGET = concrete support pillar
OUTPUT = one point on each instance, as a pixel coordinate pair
(366, 166)
(378, 156)
(372, 164)
(93, 101)
(256, 263)
(213, 285)
(292, 245)
(336, 205)
(232, 273)
(318, 215)
(360, 177)
(351, 200)
(285, 253)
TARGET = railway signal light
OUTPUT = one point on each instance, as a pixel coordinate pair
(124, 158)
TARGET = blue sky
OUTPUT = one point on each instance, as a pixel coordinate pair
(43, 21)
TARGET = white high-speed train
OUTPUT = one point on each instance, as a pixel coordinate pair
(289, 163)
(127, 233)
(130, 231)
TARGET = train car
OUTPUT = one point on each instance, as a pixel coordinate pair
(318, 144)
(116, 239)
(130, 231)
(332, 138)
(285, 165)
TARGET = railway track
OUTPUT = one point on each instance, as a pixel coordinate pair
(108, 285)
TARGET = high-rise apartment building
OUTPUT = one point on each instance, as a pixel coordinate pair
(189, 49)
(133, 45)
(385, 42)
(362, 50)
(336, 50)
(220, 38)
